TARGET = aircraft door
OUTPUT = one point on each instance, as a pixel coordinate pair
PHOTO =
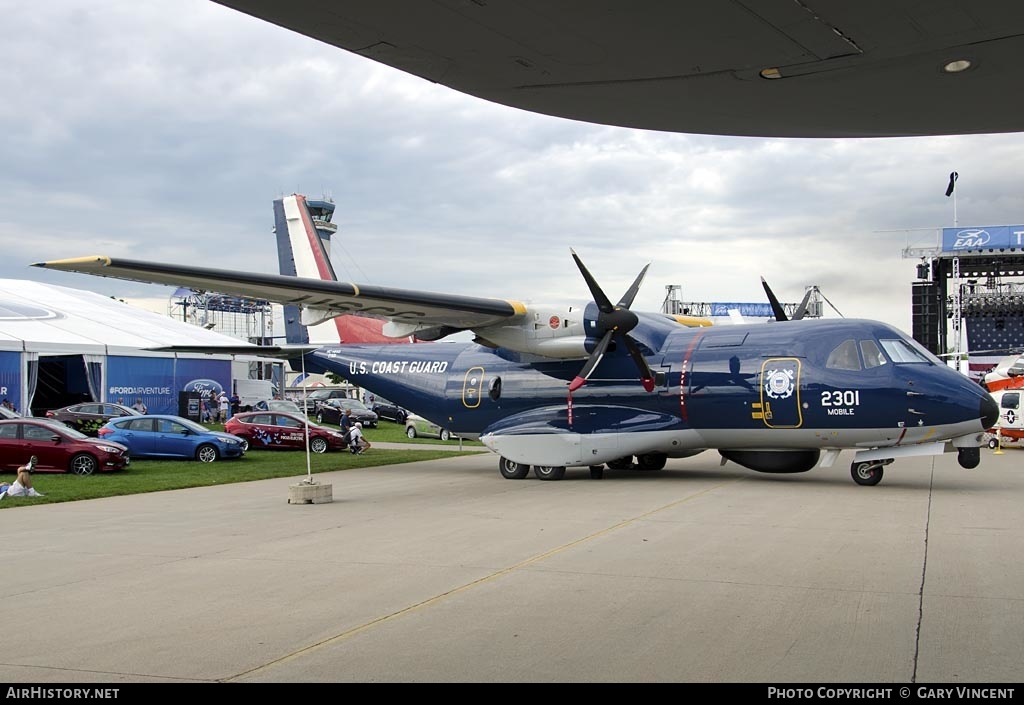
(1009, 411)
(780, 393)
(472, 387)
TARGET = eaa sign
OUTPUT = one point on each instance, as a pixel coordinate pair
(995, 238)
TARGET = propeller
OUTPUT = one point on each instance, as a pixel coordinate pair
(613, 320)
(780, 313)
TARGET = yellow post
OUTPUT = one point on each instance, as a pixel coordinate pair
(999, 442)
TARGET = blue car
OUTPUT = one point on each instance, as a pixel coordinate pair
(171, 437)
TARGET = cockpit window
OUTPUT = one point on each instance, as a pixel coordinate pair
(1011, 400)
(900, 351)
(873, 357)
(844, 357)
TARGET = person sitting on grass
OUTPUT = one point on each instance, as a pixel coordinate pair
(356, 442)
(21, 487)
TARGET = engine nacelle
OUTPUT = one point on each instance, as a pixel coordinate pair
(774, 461)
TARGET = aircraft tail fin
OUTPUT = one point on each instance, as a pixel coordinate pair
(303, 229)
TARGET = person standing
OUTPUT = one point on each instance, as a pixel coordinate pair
(346, 423)
(140, 407)
(223, 405)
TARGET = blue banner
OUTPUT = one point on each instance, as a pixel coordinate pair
(752, 310)
(10, 378)
(997, 237)
(158, 380)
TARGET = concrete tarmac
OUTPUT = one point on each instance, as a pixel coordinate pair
(442, 571)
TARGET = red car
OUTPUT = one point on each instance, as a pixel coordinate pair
(58, 448)
(277, 429)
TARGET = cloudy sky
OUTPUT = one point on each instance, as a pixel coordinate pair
(164, 130)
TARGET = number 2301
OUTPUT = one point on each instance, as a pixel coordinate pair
(841, 398)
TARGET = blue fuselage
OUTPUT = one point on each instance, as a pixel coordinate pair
(763, 385)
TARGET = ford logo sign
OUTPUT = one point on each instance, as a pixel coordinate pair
(205, 387)
(971, 239)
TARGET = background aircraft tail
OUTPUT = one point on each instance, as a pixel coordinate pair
(303, 229)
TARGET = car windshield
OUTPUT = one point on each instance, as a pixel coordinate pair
(191, 425)
(66, 430)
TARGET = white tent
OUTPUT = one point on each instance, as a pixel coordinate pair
(102, 344)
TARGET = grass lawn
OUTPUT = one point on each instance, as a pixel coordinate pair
(156, 475)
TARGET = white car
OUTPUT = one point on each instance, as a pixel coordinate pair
(419, 427)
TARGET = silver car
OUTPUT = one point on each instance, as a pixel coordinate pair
(419, 427)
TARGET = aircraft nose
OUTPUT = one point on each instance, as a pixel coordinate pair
(989, 411)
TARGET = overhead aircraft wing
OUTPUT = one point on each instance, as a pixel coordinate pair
(325, 297)
(770, 68)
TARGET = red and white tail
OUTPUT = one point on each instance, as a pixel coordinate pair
(303, 230)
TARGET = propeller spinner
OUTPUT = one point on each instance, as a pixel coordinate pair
(613, 320)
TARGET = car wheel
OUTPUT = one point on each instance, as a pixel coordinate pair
(549, 472)
(206, 453)
(511, 470)
(400, 418)
(245, 445)
(445, 435)
(83, 464)
(318, 445)
(410, 431)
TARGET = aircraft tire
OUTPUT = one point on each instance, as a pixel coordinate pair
(651, 461)
(993, 443)
(549, 472)
(596, 472)
(621, 463)
(866, 474)
(969, 458)
(511, 470)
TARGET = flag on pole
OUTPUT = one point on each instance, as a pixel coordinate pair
(953, 176)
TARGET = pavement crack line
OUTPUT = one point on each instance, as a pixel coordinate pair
(359, 629)
(924, 574)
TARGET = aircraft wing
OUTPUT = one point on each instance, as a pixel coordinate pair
(771, 68)
(328, 298)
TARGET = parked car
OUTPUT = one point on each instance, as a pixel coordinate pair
(331, 410)
(159, 436)
(57, 447)
(389, 410)
(318, 397)
(6, 413)
(268, 429)
(88, 417)
(418, 427)
(284, 405)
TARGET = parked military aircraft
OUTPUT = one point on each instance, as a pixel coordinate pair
(1006, 385)
(557, 387)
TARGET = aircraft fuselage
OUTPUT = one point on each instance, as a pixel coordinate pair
(760, 387)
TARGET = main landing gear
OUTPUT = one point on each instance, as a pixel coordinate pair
(512, 470)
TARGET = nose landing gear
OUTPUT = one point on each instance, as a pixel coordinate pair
(868, 473)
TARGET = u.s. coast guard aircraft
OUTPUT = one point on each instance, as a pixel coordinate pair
(586, 386)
